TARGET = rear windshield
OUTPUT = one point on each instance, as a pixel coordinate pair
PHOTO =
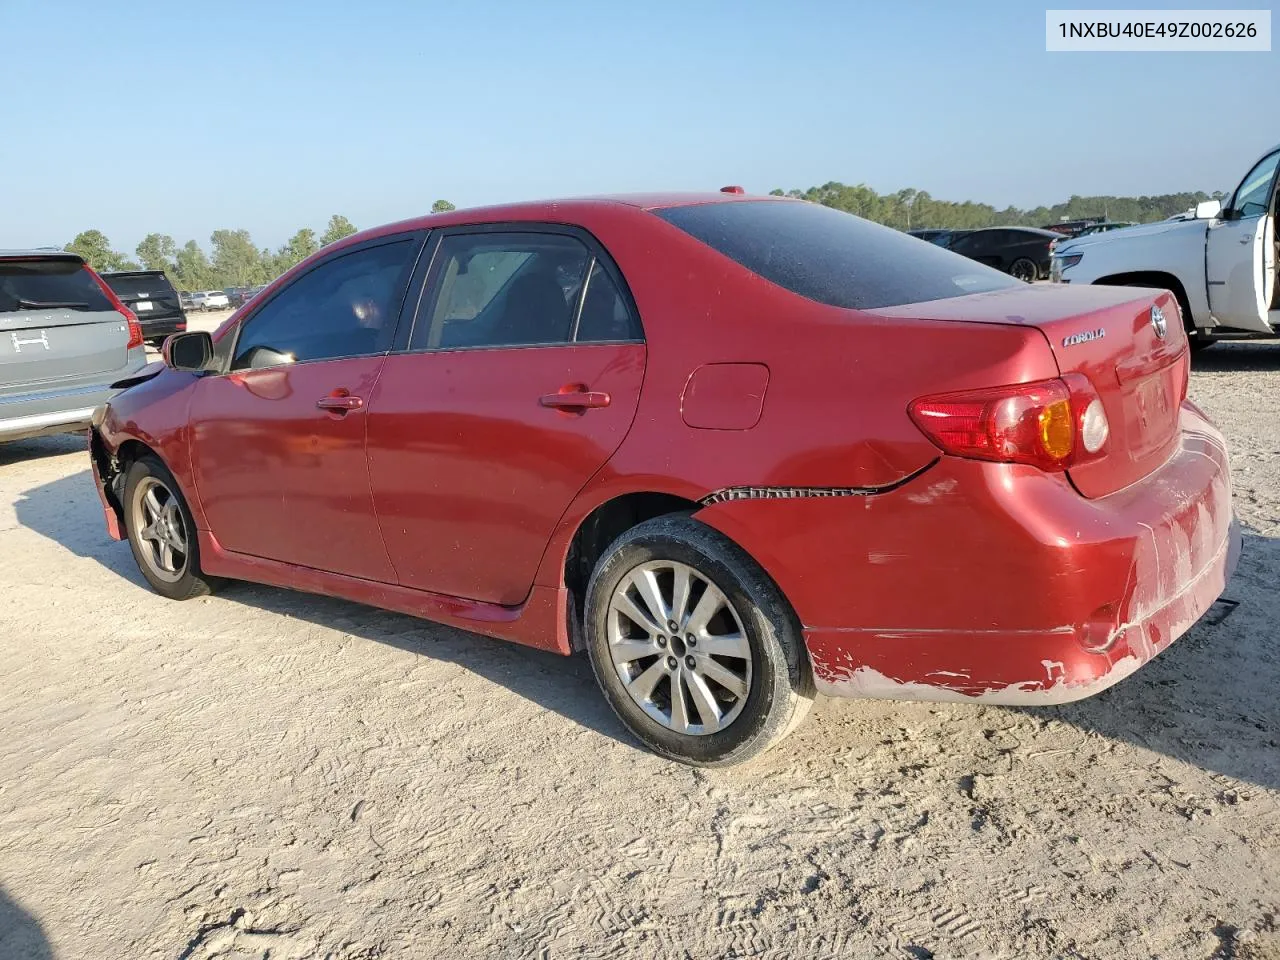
(138, 287)
(833, 257)
(48, 285)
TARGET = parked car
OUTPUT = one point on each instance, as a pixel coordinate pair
(941, 238)
(239, 296)
(1106, 227)
(818, 457)
(1021, 252)
(214, 300)
(929, 236)
(1072, 228)
(65, 338)
(1219, 262)
(152, 299)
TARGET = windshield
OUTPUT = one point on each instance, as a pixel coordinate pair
(833, 257)
(47, 285)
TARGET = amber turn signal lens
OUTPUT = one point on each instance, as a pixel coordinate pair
(1057, 433)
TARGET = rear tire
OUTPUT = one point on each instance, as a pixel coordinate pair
(162, 532)
(1024, 270)
(730, 680)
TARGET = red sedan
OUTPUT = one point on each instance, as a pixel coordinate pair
(741, 450)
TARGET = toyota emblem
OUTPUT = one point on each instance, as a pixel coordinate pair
(1158, 323)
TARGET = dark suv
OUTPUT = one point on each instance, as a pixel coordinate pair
(153, 300)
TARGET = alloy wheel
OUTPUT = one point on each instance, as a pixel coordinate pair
(161, 531)
(679, 647)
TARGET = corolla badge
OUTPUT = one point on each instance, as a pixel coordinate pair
(1158, 323)
(1084, 336)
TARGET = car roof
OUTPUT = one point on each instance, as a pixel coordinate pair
(40, 253)
(566, 210)
(134, 273)
(1035, 230)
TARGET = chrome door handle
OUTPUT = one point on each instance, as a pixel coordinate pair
(576, 400)
(340, 404)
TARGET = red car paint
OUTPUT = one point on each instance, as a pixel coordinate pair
(454, 490)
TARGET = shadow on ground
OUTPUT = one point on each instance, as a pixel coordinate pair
(67, 511)
(21, 937)
(1209, 700)
(1241, 356)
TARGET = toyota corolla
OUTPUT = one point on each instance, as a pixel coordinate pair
(740, 450)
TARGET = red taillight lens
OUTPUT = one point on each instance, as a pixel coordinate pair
(1045, 424)
(135, 328)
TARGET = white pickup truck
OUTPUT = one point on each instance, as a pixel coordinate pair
(1220, 262)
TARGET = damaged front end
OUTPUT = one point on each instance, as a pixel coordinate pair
(108, 479)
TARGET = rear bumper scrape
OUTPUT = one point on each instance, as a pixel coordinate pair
(1059, 665)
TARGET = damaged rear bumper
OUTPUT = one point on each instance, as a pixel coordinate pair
(998, 583)
(1055, 666)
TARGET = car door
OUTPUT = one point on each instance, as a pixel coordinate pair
(519, 380)
(277, 439)
(1240, 265)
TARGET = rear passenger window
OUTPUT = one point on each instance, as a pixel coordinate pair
(345, 307)
(605, 315)
(502, 290)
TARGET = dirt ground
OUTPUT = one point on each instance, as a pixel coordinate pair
(266, 774)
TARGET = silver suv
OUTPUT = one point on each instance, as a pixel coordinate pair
(65, 338)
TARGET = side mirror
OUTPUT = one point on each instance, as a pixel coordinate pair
(192, 352)
(1208, 209)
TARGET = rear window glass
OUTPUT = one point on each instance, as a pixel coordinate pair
(49, 285)
(155, 285)
(833, 257)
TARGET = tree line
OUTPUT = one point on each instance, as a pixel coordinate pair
(916, 209)
(234, 259)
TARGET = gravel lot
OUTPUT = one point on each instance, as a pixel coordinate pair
(266, 774)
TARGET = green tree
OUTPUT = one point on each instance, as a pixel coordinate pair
(442, 206)
(156, 251)
(911, 208)
(236, 261)
(339, 227)
(96, 250)
(192, 270)
(302, 245)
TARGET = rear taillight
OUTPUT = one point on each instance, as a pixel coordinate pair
(135, 329)
(1050, 424)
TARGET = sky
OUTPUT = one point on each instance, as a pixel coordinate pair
(183, 118)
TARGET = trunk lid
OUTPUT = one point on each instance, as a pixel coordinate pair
(1108, 335)
(56, 323)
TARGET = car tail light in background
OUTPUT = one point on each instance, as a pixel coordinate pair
(1050, 424)
(135, 328)
(734, 189)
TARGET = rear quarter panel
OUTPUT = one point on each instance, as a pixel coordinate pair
(839, 384)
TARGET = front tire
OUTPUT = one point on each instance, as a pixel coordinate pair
(162, 533)
(694, 646)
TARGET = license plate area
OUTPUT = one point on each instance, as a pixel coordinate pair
(142, 306)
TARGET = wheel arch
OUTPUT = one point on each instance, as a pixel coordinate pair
(598, 528)
(1161, 279)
